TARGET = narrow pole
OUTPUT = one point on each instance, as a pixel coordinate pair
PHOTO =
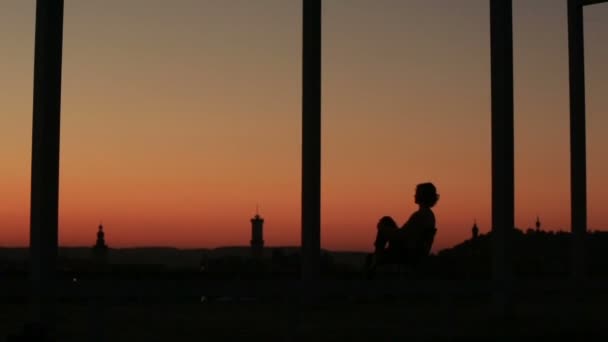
(45, 161)
(578, 157)
(311, 139)
(501, 31)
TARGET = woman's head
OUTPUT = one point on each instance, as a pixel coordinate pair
(426, 195)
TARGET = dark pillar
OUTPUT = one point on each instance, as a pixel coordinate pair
(578, 158)
(45, 160)
(501, 31)
(311, 139)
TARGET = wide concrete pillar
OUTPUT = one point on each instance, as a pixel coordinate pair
(501, 32)
(45, 160)
(311, 139)
(578, 149)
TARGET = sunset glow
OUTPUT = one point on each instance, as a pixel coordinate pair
(179, 117)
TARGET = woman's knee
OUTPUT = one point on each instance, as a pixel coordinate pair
(386, 227)
(386, 222)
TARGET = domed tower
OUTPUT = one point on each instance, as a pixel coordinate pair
(100, 249)
(257, 235)
(475, 231)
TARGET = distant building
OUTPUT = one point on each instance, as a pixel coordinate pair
(475, 231)
(537, 224)
(257, 236)
(100, 250)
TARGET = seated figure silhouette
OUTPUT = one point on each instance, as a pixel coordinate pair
(413, 241)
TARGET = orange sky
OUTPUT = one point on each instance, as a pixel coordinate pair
(179, 116)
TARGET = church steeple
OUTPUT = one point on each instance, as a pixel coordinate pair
(101, 241)
(100, 249)
(475, 230)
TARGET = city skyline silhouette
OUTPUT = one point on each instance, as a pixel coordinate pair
(498, 269)
(202, 178)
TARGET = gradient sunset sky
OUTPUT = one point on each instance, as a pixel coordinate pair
(179, 116)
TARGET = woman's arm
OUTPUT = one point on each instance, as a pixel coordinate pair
(413, 221)
(421, 219)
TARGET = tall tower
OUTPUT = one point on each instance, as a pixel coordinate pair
(475, 230)
(537, 224)
(257, 235)
(100, 250)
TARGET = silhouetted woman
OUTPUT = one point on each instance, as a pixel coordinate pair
(393, 242)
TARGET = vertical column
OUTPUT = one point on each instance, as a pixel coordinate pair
(578, 158)
(501, 31)
(45, 159)
(311, 139)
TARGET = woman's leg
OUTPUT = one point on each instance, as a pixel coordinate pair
(386, 229)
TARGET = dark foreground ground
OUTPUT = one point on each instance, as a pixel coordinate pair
(546, 317)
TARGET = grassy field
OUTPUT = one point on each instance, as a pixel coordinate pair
(383, 319)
